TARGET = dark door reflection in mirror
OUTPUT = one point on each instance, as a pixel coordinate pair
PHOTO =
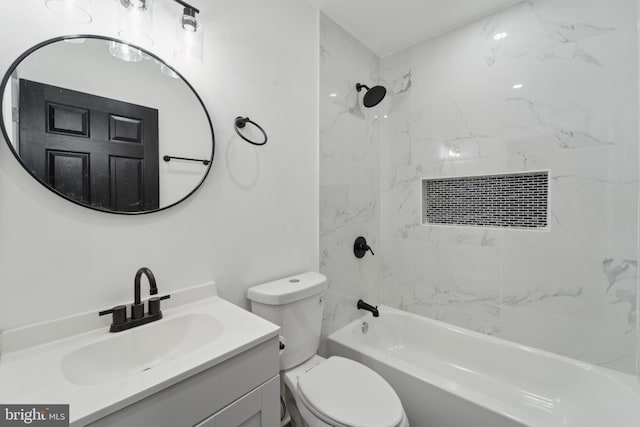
(94, 129)
(96, 151)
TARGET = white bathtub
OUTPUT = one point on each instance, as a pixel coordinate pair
(452, 377)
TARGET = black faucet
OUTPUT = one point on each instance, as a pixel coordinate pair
(138, 316)
(364, 306)
(137, 309)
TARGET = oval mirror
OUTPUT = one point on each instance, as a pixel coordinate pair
(106, 125)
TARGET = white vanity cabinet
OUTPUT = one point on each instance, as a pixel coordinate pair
(243, 391)
(207, 362)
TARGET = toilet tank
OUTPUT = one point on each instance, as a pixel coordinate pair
(295, 304)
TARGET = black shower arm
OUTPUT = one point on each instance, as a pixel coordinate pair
(359, 87)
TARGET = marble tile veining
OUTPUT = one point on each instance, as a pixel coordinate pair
(556, 91)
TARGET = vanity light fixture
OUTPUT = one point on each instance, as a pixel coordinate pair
(189, 35)
(135, 20)
(188, 20)
(135, 23)
(76, 11)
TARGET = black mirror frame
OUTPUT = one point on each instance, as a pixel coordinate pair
(5, 134)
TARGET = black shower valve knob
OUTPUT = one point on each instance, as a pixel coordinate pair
(361, 247)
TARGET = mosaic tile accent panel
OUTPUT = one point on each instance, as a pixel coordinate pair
(511, 201)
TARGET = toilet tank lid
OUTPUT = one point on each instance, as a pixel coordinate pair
(289, 289)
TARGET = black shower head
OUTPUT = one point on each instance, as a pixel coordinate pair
(374, 96)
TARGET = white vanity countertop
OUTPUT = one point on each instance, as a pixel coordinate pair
(35, 376)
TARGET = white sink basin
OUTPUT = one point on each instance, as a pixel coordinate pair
(139, 349)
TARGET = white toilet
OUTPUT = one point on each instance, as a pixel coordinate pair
(333, 392)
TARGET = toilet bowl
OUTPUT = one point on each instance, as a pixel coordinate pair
(333, 392)
(339, 392)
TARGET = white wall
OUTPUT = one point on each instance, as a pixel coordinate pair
(255, 218)
(571, 290)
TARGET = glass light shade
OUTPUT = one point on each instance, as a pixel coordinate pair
(125, 52)
(189, 40)
(135, 22)
(76, 11)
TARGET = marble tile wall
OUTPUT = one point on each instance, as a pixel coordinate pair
(543, 85)
(349, 175)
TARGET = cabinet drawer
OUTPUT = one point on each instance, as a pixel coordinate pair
(260, 408)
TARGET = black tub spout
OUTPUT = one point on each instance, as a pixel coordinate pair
(364, 306)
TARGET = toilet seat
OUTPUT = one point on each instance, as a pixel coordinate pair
(344, 393)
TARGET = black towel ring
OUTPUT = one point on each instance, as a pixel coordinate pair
(241, 122)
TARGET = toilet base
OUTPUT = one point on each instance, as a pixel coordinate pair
(293, 417)
(290, 390)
